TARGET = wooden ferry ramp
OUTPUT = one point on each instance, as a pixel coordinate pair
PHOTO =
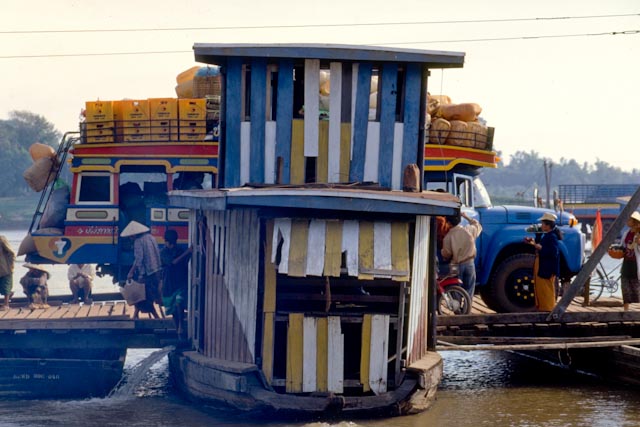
(605, 325)
(106, 324)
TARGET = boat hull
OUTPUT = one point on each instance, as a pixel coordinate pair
(242, 386)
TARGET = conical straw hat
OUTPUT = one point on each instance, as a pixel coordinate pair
(35, 267)
(134, 228)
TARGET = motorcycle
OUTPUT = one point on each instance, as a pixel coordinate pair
(452, 298)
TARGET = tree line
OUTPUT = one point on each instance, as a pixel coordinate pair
(509, 183)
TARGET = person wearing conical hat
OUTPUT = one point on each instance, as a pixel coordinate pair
(7, 260)
(34, 285)
(146, 268)
(546, 267)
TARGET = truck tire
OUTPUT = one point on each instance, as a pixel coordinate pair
(511, 286)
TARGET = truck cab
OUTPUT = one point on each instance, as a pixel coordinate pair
(504, 263)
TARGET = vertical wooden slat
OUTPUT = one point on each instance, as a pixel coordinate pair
(270, 152)
(322, 166)
(397, 169)
(345, 152)
(267, 346)
(333, 248)
(360, 122)
(400, 249)
(335, 122)
(365, 352)
(309, 354)
(294, 353)
(311, 106)
(335, 363)
(382, 245)
(402, 294)
(297, 152)
(371, 159)
(388, 91)
(268, 305)
(416, 330)
(284, 115)
(298, 248)
(316, 247)
(258, 117)
(379, 353)
(322, 354)
(245, 152)
(365, 250)
(350, 245)
(410, 143)
(232, 125)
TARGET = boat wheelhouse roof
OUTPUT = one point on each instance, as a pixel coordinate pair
(217, 53)
(330, 198)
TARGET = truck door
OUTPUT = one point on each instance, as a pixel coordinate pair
(463, 188)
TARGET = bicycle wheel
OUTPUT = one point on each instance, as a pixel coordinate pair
(454, 300)
(601, 281)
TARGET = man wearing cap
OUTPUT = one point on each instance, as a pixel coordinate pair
(547, 264)
(146, 267)
(459, 247)
(34, 285)
(629, 282)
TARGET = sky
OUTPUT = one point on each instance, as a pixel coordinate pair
(553, 86)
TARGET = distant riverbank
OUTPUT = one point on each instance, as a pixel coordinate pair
(16, 213)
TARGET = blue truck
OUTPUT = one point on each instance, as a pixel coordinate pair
(504, 263)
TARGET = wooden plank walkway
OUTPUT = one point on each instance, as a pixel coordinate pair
(603, 323)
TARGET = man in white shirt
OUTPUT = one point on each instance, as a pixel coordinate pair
(459, 247)
(80, 281)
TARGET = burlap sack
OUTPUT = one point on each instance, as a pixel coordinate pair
(41, 173)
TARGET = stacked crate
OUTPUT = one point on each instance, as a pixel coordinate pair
(132, 120)
(164, 119)
(99, 122)
(192, 123)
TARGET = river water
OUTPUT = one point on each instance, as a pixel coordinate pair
(478, 389)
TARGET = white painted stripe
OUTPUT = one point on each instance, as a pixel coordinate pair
(315, 247)
(397, 171)
(382, 246)
(311, 106)
(335, 359)
(309, 350)
(245, 151)
(270, 152)
(372, 152)
(350, 240)
(379, 351)
(419, 269)
(281, 231)
(335, 112)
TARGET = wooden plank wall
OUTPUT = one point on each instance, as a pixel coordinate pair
(231, 285)
(418, 298)
(349, 146)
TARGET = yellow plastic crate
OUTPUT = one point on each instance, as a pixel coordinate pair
(99, 111)
(136, 110)
(192, 109)
(163, 108)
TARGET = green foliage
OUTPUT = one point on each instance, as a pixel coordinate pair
(16, 136)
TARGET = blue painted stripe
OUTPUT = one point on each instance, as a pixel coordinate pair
(284, 116)
(258, 118)
(387, 122)
(412, 89)
(232, 108)
(360, 122)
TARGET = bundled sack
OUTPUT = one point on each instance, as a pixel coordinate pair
(467, 112)
(56, 210)
(41, 173)
(479, 133)
(133, 292)
(38, 150)
(439, 131)
(28, 245)
(460, 134)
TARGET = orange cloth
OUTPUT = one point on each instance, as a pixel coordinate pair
(544, 290)
(596, 232)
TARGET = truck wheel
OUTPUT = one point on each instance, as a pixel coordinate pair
(511, 286)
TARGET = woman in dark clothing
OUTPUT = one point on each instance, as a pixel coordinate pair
(629, 269)
(174, 283)
(547, 264)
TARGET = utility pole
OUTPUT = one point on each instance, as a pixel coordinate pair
(547, 178)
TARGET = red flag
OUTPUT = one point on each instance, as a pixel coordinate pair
(596, 232)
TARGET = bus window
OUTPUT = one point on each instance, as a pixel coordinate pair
(94, 188)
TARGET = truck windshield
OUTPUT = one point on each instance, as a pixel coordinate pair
(482, 199)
